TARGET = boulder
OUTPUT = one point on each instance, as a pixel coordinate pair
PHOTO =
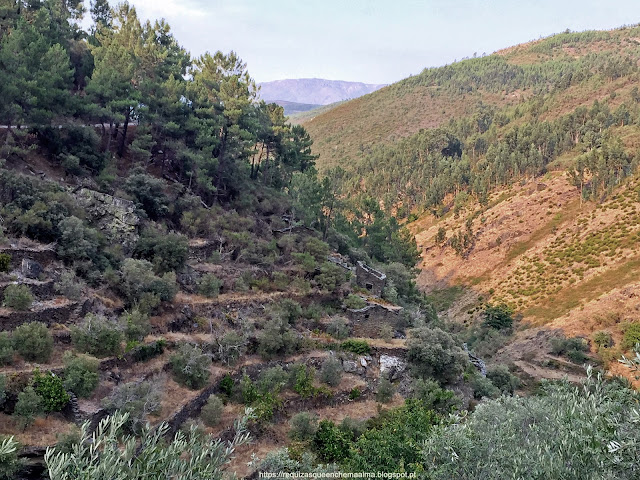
(392, 366)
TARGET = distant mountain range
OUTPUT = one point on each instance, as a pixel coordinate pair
(302, 94)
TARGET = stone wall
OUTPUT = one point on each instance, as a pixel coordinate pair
(44, 255)
(40, 290)
(47, 314)
(368, 321)
(370, 279)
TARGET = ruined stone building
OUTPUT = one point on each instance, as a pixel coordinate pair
(371, 279)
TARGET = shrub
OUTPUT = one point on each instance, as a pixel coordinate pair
(433, 353)
(573, 348)
(503, 379)
(167, 252)
(385, 390)
(136, 324)
(331, 276)
(433, 397)
(265, 406)
(33, 341)
(6, 349)
(394, 441)
(316, 248)
(277, 339)
(289, 310)
(209, 286)
(548, 435)
(331, 443)
(359, 347)
(355, 393)
(18, 297)
(51, 390)
(147, 351)
(148, 193)
(301, 380)
(273, 379)
(386, 332)
(28, 407)
(248, 390)
(80, 373)
(331, 371)
(5, 262)
(137, 399)
(226, 385)
(482, 387)
(139, 278)
(353, 427)
(303, 426)
(631, 335)
(338, 328)
(69, 286)
(603, 339)
(190, 366)
(212, 411)
(98, 336)
(498, 317)
(78, 242)
(230, 347)
(354, 302)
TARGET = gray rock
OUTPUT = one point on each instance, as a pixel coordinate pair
(392, 366)
(350, 366)
(363, 362)
(31, 268)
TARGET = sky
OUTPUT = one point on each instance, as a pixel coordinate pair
(372, 41)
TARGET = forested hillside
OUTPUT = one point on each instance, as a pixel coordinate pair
(184, 297)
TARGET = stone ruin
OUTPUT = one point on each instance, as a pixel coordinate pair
(370, 279)
(369, 320)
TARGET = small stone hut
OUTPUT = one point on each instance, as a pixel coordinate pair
(369, 278)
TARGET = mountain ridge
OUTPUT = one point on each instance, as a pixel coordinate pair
(315, 91)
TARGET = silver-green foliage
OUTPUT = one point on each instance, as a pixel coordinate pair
(591, 431)
(111, 453)
(9, 462)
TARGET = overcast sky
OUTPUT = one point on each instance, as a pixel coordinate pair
(373, 41)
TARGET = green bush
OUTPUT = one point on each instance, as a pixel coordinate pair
(148, 193)
(277, 339)
(136, 324)
(301, 380)
(303, 426)
(385, 390)
(5, 262)
(190, 366)
(393, 443)
(330, 442)
(167, 252)
(69, 286)
(6, 349)
(354, 302)
(80, 373)
(51, 390)
(603, 339)
(331, 371)
(287, 309)
(483, 387)
(137, 399)
(631, 335)
(98, 336)
(138, 278)
(28, 407)
(33, 342)
(359, 347)
(564, 432)
(211, 413)
(18, 297)
(503, 379)
(433, 397)
(273, 379)
(248, 390)
(209, 286)
(433, 353)
(230, 347)
(498, 317)
(226, 385)
(338, 328)
(147, 351)
(355, 393)
(331, 276)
